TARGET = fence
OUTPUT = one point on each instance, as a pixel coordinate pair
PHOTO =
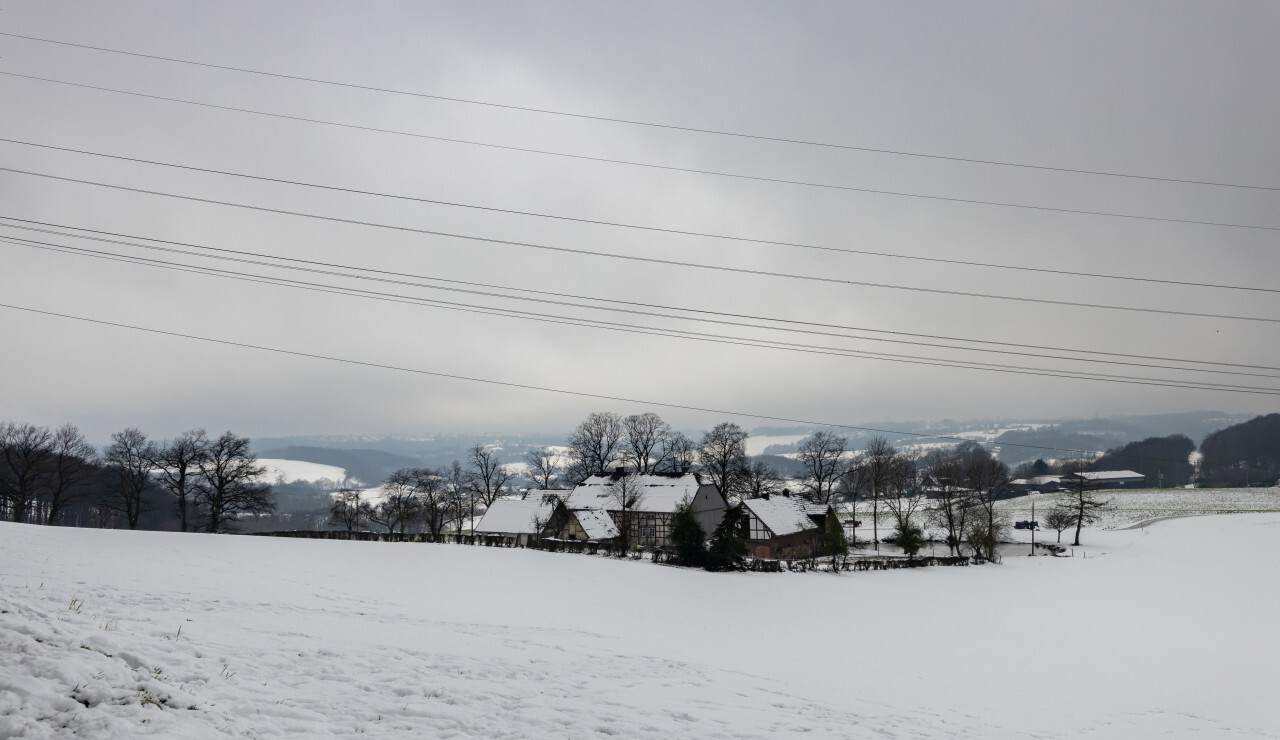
(361, 536)
(657, 555)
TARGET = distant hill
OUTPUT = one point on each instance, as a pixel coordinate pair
(1108, 433)
(1244, 454)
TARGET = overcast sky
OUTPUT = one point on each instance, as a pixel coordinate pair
(1170, 90)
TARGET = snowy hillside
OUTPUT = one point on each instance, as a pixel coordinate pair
(1166, 631)
(296, 470)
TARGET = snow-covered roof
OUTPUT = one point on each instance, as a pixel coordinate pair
(1101, 475)
(661, 493)
(514, 515)
(1041, 480)
(597, 523)
(785, 515)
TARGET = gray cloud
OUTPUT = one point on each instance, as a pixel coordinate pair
(1167, 89)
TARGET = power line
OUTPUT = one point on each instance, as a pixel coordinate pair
(988, 343)
(242, 256)
(679, 333)
(546, 389)
(649, 124)
(662, 167)
(490, 209)
(634, 258)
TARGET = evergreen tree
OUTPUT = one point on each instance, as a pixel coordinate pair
(728, 547)
(910, 538)
(687, 534)
(834, 544)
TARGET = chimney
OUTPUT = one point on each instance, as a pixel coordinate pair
(618, 471)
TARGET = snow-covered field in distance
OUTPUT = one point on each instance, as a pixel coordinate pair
(1127, 507)
(757, 445)
(296, 470)
(1167, 631)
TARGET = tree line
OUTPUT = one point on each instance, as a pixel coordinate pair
(429, 500)
(56, 477)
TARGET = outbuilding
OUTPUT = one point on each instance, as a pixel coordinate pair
(784, 526)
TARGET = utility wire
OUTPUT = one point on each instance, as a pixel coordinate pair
(648, 124)
(547, 389)
(633, 258)
(750, 240)
(662, 167)
(629, 328)
(987, 348)
(241, 256)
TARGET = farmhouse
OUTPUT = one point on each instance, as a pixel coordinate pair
(1105, 479)
(933, 486)
(653, 499)
(784, 526)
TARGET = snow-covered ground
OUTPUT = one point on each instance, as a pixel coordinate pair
(1168, 631)
(296, 470)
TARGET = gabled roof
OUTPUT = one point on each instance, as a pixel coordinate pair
(514, 515)
(597, 524)
(1041, 480)
(785, 515)
(1102, 475)
(661, 493)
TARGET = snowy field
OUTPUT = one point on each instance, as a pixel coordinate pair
(1164, 632)
(1125, 508)
(296, 470)
(1134, 506)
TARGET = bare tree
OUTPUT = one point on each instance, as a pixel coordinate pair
(70, 468)
(177, 466)
(823, 458)
(723, 455)
(544, 467)
(348, 510)
(1083, 507)
(905, 496)
(852, 487)
(488, 476)
(25, 450)
(642, 444)
(229, 484)
(760, 479)
(626, 495)
(128, 461)
(954, 501)
(1059, 519)
(985, 476)
(458, 495)
(594, 445)
(678, 454)
(432, 489)
(400, 503)
(877, 467)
